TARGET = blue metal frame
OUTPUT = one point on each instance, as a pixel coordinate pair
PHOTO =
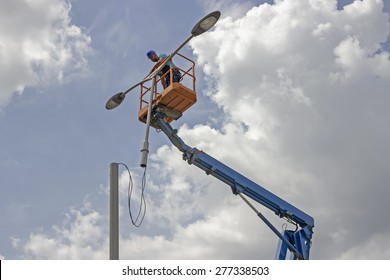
(298, 242)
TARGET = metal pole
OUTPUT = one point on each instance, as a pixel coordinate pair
(145, 146)
(114, 212)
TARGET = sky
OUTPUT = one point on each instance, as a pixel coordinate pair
(292, 94)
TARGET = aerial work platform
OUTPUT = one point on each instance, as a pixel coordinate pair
(177, 97)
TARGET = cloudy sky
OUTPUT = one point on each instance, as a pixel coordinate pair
(293, 94)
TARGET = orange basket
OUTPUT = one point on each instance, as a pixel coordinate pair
(177, 97)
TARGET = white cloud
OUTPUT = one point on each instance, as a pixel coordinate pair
(81, 236)
(369, 249)
(228, 7)
(308, 84)
(304, 89)
(38, 45)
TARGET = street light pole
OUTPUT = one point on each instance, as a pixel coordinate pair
(145, 146)
(114, 212)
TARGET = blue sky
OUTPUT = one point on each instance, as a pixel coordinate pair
(291, 94)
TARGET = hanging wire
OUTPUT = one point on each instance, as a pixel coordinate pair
(137, 222)
(291, 222)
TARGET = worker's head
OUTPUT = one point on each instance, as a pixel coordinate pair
(152, 55)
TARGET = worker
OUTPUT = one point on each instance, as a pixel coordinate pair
(166, 80)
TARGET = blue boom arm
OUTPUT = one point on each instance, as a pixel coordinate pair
(298, 241)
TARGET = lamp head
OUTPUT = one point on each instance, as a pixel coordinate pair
(115, 101)
(206, 23)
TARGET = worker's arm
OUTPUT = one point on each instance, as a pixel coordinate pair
(158, 63)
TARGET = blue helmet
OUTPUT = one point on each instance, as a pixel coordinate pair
(150, 53)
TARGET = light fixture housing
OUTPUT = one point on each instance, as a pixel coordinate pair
(206, 23)
(115, 101)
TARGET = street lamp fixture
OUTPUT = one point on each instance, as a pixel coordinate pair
(115, 101)
(205, 24)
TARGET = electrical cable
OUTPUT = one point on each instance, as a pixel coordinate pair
(137, 222)
(292, 222)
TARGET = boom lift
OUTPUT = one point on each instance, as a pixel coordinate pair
(168, 105)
